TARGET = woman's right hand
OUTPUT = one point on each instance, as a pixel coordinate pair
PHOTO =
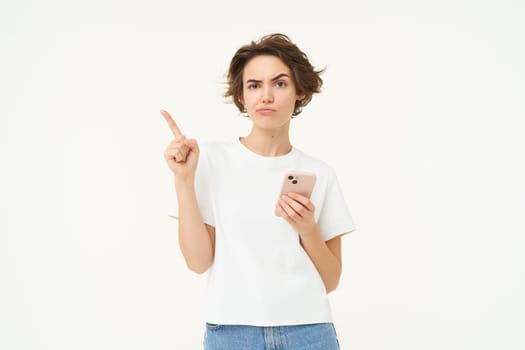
(182, 154)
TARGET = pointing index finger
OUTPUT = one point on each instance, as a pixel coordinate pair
(171, 123)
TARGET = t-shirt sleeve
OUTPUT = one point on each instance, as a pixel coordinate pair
(335, 218)
(203, 191)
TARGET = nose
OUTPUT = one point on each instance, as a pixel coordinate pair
(267, 95)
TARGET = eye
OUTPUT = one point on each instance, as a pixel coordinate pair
(280, 84)
(252, 86)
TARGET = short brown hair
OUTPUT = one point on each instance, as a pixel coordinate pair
(307, 80)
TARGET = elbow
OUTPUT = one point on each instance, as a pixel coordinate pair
(332, 282)
(198, 270)
(199, 267)
(330, 287)
(196, 261)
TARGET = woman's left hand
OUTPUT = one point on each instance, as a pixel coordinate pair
(298, 211)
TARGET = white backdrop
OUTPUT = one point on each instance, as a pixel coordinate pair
(422, 116)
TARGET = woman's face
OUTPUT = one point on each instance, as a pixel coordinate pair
(269, 93)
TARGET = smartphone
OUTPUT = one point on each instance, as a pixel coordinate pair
(300, 182)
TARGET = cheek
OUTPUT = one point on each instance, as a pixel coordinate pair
(291, 102)
(249, 98)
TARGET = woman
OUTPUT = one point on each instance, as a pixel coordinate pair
(271, 259)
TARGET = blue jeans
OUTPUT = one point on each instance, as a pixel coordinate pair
(318, 336)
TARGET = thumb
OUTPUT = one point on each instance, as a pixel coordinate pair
(192, 144)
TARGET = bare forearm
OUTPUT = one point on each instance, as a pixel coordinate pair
(194, 240)
(326, 263)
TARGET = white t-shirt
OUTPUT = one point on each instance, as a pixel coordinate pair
(261, 275)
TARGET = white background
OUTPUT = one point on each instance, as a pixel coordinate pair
(422, 116)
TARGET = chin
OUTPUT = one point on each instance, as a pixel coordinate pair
(270, 125)
(270, 122)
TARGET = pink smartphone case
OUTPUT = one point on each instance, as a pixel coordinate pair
(300, 182)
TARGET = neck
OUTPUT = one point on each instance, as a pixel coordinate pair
(268, 143)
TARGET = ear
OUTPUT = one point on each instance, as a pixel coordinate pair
(240, 99)
(300, 97)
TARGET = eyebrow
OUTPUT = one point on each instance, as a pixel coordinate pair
(273, 79)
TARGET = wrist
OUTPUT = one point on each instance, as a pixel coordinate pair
(184, 183)
(311, 236)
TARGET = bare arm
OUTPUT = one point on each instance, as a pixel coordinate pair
(196, 239)
(298, 211)
(326, 257)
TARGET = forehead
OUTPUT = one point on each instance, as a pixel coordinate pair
(264, 66)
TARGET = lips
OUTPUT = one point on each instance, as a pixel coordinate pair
(265, 110)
